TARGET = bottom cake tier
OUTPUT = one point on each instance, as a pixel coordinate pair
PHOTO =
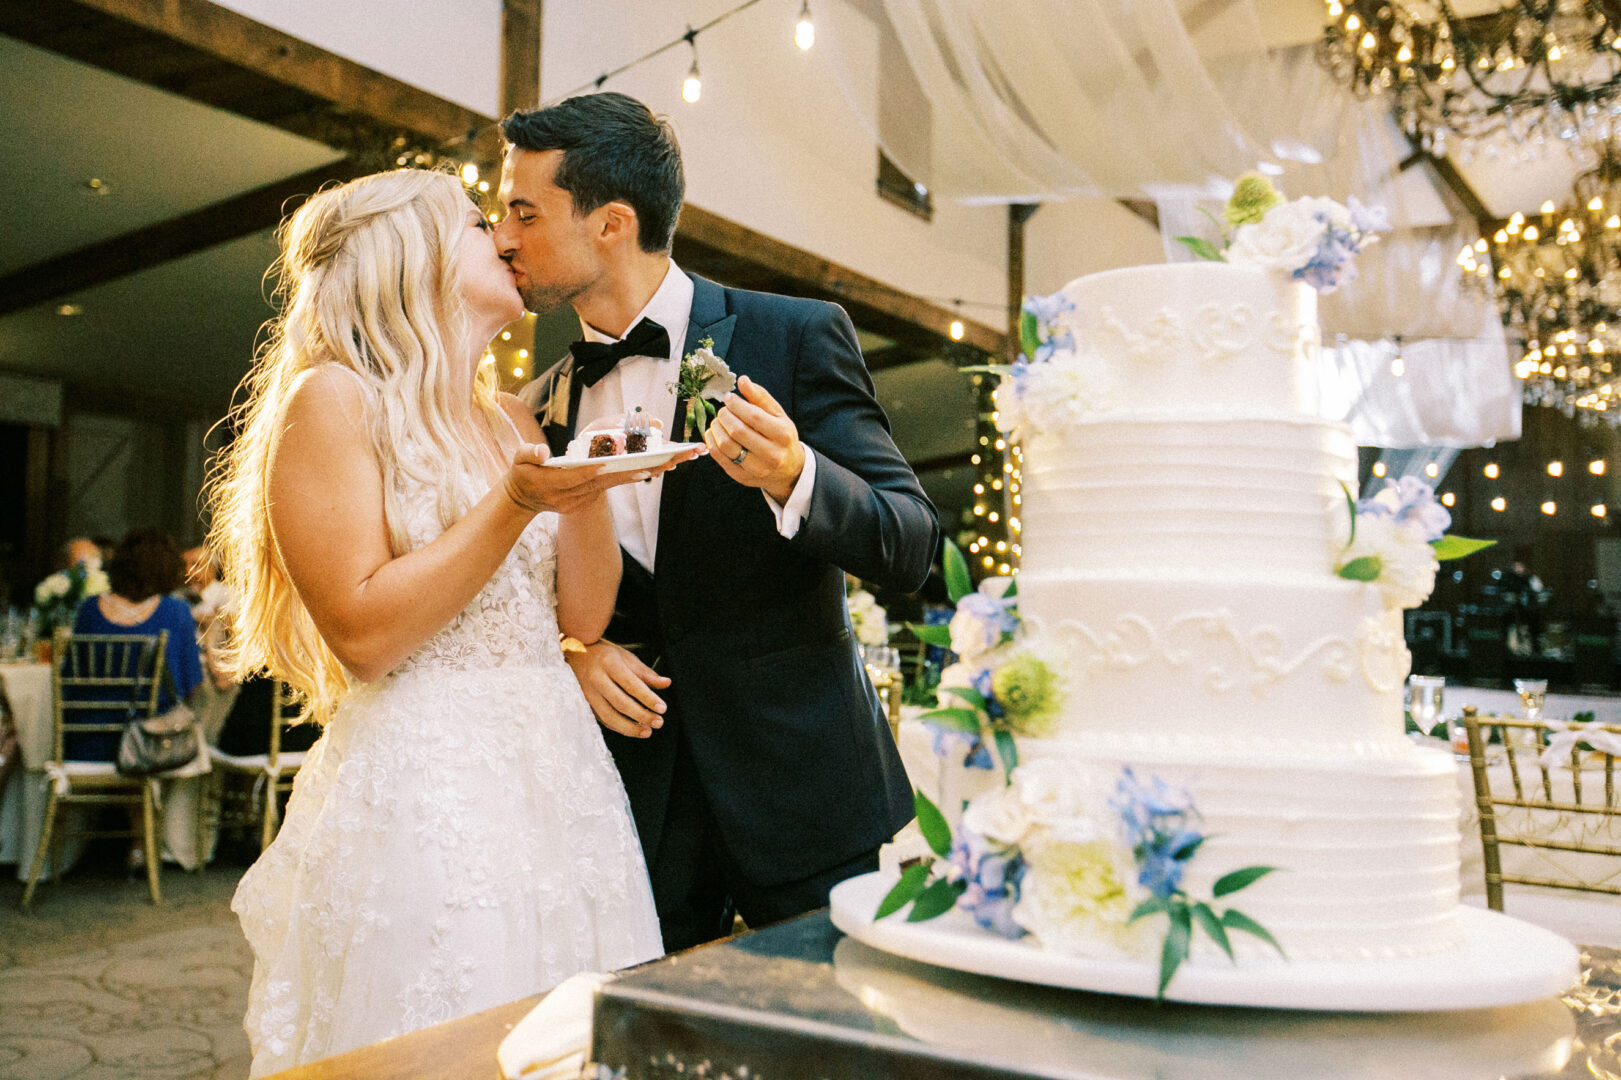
(1366, 849)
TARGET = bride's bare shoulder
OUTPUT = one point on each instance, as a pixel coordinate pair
(523, 417)
(327, 394)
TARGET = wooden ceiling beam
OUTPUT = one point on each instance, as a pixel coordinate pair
(736, 255)
(521, 26)
(236, 217)
(213, 55)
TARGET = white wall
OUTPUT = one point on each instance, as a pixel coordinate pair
(772, 144)
(451, 48)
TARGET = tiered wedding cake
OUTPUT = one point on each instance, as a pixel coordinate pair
(1181, 531)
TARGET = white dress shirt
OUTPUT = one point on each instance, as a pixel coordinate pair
(649, 381)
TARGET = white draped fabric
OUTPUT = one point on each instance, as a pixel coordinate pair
(1170, 99)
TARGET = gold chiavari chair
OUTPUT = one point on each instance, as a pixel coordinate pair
(1560, 797)
(103, 680)
(270, 776)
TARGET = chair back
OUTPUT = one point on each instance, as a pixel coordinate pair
(286, 710)
(103, 679)
(1559, 796)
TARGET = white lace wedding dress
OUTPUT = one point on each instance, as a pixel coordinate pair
(457, 838)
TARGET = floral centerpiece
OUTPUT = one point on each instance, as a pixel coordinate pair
(58, 597)
(868, 620)
(1053, 852)
(1313, 239)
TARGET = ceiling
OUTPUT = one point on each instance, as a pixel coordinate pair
(183, 331)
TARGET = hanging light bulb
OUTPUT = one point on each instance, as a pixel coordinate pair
(956, 329)
(804, 29)
(692, 87)
(470, 174)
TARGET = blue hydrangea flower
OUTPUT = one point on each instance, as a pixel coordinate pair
(947, 739)
(1411, 502)
(985, 685)
(1048, 311)
(1365, 219)
(993, 876)
(1159, 821)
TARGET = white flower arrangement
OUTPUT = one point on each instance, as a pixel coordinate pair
(58, 597)
(1313, 239)
(1398, 541)
(868, 620)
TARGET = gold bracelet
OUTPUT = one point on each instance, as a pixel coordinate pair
(570, 644)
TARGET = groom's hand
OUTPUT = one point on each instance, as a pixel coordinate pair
(751, 425)
(619, 688)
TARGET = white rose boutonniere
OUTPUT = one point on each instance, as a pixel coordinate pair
(703, 379)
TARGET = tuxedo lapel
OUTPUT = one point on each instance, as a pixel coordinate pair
(709, 320)
(561, 408)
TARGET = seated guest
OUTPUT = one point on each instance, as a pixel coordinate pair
(144, 569)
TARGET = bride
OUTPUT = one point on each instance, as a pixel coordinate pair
(458, 837)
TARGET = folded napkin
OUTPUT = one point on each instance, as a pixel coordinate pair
(552, 1041)
(1566, 736)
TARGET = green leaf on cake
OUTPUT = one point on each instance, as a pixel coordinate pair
(1175, 949)
(1201, 247)
(967, 695)
(958, 583)
(1029, 334)
(1456, 547)
(931, 635)
(1350, 510)
(1366, 568)
(957, 719)
(1235, 920)
(1210, 923)
(1240, 879)
(932, 824)
(936, 900)
(1152, 906)
(1008, 751)
(907, 889)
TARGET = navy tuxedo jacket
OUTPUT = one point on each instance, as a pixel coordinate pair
(784, 727)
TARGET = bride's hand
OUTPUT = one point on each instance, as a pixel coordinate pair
(534, 487)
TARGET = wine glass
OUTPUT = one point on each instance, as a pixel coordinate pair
(1424, 700)
(1533, 695)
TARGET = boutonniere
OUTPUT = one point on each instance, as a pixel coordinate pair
(703, 380)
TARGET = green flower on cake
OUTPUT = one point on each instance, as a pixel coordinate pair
(1028, 691)
(1253, 195)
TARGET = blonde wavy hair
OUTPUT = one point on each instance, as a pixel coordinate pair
(368, 280)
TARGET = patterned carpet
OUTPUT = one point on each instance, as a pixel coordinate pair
(98, 984)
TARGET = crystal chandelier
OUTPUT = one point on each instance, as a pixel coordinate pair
(1557, 279)
(1537, 71)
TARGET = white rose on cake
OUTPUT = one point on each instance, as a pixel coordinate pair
(1404, 561)
(1286, 239)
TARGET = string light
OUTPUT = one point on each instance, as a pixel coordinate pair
(1378, 468)
(957, 330)
(1556, 468)
(804, 29)
(1549, 508)
(1596, 467)
(1447, 498)
(1490, 471)
(1398, 366)
(692, 86)
(470, 175)
(1499, 504)
(1432, 470)
(1599, 510)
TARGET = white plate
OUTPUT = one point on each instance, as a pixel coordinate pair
(647, 459)
(1502, 962)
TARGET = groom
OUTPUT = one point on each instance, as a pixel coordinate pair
(758, 763)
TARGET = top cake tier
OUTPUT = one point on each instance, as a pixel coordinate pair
(1203, 338)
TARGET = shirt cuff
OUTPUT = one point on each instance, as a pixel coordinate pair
(792, 513)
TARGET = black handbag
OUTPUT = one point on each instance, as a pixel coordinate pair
(158, 744)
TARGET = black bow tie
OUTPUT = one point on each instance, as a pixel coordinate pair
(594, 359)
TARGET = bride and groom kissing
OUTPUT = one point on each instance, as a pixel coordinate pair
(572, 720)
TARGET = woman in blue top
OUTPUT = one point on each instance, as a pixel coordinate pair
(144, 569)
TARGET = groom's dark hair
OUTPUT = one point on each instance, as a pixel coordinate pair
(613, 148)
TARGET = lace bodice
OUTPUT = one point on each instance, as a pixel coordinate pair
(512, 620)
